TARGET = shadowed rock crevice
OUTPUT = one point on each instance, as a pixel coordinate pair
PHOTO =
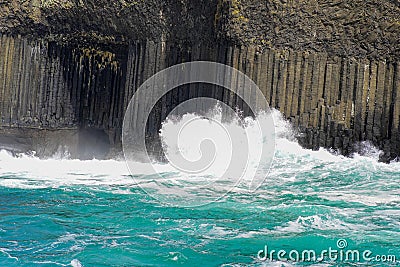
(71, 67)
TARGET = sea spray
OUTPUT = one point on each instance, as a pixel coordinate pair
(63, 212)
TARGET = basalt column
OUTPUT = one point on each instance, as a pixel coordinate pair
(58, 98)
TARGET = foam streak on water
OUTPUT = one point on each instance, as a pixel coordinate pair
(61, 212)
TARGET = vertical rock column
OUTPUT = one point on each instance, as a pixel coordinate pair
(32, 88)
(335, 102)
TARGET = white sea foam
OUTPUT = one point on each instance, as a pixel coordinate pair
(363, 197)
(76, 263)
(314, 222)
(291, 161)
(5, 251)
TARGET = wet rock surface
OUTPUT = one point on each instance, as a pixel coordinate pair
(70, 67)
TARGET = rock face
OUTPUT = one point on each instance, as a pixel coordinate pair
(69, 68)
(352, 28)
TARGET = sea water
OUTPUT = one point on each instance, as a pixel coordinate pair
(62, 212)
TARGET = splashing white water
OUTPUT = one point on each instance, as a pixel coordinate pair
(238, 146)
(291, 160)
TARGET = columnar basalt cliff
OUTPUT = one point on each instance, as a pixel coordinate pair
(69, 68)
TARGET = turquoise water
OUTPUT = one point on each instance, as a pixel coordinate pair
(91, 213)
